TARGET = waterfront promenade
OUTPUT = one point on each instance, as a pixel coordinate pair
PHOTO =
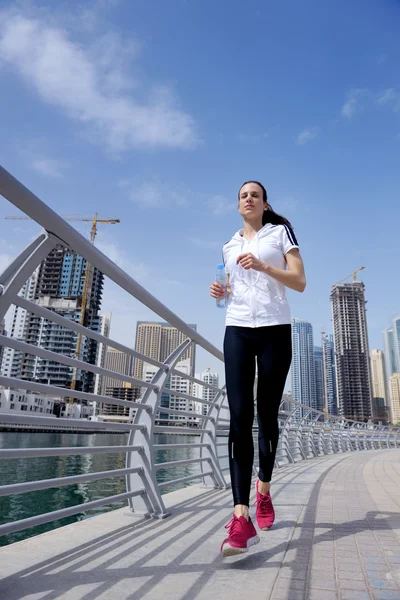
(337, 536)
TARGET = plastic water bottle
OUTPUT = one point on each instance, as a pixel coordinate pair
(222, 279)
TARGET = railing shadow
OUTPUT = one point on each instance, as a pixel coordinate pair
(64, 571)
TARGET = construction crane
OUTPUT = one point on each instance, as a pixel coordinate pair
(353, 275)
(88, 277)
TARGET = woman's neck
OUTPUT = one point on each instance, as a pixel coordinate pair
(250, 229)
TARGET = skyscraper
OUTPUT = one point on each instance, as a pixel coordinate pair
(378, 375)
(394, 385)
(330, 392)
(104, 327)
(58, 285)
(157, 340)
(351, 350)
(203, 392)
(319, 378)
(11, 362)
(303, 366)
(391, 346)
(380, 402)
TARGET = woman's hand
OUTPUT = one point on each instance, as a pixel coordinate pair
(216, 290)
(249, 261)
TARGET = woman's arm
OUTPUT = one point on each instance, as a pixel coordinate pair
(293, 277)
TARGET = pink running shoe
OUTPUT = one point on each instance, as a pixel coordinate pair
(265, 513)
(241, 536)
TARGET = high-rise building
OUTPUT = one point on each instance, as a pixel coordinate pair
(303, 365)
(330, 393)
(394, 385)
(203, 392)
(11, 362)
(378, 375)
(119, 362)
(58, 285)
(105, 326)
(157, 341)
(391, 347)
(353, 373)
(319, 378)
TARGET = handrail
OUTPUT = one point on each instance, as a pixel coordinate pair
(305, 432)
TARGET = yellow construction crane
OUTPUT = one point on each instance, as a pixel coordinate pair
(87, 282)
(353, 275)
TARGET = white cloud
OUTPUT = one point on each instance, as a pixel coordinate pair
(306, 136)
(155, 194)
(136, 270)
(352, 103)
(221, 206)
(48, 167)
(90, 84)
(389, 97)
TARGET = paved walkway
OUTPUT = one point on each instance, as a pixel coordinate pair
(337, 536)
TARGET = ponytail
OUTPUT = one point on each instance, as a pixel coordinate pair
(269, 216)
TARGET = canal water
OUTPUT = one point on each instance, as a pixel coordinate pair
(22, 506)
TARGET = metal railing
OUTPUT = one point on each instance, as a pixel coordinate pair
(311, 435)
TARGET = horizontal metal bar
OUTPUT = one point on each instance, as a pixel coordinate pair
(179, 463)
(172, 429)
(184, 413)
(71, 325)
(44, 388)
(66, 512)
(9, 453)
(225, 469)
(32, 206)
(221, 443)
(195, 380)
(44, 484)
(25, 348)
(69, 423)
(177, 394)
(176, 446)
(223, 456)
(183, 479)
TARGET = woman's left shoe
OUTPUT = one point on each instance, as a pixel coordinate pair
(265, 513)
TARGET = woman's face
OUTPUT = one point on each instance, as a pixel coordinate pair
(251, 203)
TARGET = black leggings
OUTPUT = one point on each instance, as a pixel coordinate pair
(273, 348)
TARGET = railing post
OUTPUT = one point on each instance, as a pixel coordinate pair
(210, 423)
(144, 438)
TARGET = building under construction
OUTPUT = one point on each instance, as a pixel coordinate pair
(59, 285)
(353, 373)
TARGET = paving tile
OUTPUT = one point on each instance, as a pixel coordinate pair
(351, 584)
(354, 595)
(320, 594)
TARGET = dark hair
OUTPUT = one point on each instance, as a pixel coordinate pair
(269, 216)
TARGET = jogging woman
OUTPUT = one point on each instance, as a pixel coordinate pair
(262, 259)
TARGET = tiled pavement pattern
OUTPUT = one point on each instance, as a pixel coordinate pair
(337, 536)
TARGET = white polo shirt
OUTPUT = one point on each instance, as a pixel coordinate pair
(258, 300)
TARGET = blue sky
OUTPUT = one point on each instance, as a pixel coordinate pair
(156, 112)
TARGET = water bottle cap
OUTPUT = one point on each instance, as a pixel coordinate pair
(220, 267)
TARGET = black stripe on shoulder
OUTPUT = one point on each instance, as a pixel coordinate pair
(291, 235)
